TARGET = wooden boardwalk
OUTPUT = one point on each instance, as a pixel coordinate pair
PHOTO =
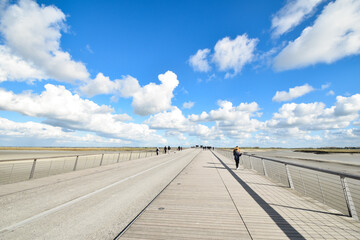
(212, 200)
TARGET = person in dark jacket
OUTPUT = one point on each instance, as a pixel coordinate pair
(237, 155)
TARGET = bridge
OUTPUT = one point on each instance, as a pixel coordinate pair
(191, 194)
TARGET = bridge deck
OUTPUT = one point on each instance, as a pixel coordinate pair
(211, 200)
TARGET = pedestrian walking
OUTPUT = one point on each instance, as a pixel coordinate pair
(165, 149)
(237, 155)
(157, 151)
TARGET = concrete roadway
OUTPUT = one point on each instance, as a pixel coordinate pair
(89, 204)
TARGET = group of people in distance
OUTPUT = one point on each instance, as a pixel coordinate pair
(236, 152)
(167, 149)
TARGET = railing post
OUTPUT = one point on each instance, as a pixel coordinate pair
(302, 180)
(11, 172)
(265, 172)
(139, 155)
(50, 167)
(322, 194)
(32, 169)
(118, 158)
(63, 166)
(130, 156)
(76, 162)
(349, 201)
(102, 158)
(291, 184)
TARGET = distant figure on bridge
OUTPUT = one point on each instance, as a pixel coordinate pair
(237, 155)
(165, 149)
(169, 148)
(157, 151)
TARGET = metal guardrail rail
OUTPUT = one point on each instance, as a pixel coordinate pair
(18, 170)
(340, 191)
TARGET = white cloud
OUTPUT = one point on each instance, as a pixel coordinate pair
(61, 108)
(234, 54)
(330, 93)
(174, 120)
(103, 85)
(293, 124)
(325, 86)
(150, 99)
(334, 35)
(343, 137)
(291, 15)
(32, 32)
(233, 121)
(315, 116)
(293, 93)
(13, 68)
(188, 105)
(199, 61)
(176, 134)
(154, 98)
(347, 105)
(39, 134)
(88, 48)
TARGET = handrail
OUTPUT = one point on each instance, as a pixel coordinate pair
(16, 170)
(341, 174)
(90, 154)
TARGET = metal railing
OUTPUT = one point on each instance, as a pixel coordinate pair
(18, 170)
(340, 191)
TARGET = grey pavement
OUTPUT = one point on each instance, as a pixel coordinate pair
(95, 203)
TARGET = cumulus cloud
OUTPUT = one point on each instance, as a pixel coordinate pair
(174, 120)
(199, 61)
(25, 133)
(32, 40)
(234, 54)
(342, 137)
(315, 116)
(188, 105)
(13, 68)
(291, 15)
(61, 108)
(347, 105)
(305, 122)
(293, 93)
(334, 35)
(233, 121)
(150, 99)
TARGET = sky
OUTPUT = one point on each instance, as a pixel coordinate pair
(282, 73)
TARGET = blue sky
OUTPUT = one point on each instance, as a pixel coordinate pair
(154, 73)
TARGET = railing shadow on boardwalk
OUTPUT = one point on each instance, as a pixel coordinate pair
(289, 230)
(310, 210)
